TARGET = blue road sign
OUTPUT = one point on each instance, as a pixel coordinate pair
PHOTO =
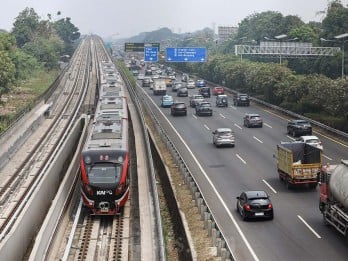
(186, 54)
(150, 54)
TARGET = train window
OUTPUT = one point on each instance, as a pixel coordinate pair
(104, 173)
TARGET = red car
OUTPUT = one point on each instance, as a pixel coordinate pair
(218, 90)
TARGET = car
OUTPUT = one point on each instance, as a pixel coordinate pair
(223, 137)
(178, 108)
(148, 72)
(200, 83)
(191, 84)
(241, 99)
(140, 76)
(195, 99)
(312, 140)
(299, 127)
(184, 77)
(135, 72)
(252, 120)
(218, 90)
(166, 101)
(146, 82)
(182, 92)
(204, 108)
(176, 86)
(254, 204)
(221, 100)
(205, 92)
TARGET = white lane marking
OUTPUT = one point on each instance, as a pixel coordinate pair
(246, 242)
(270, 187)
(222, 116)
(326, 157)
(257, 139)
(205, 126)
(309, 227)
(269, 126)
(237, 126)
(239, 157)
(194, 116)
(233, 107)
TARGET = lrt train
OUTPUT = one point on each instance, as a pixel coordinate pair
(105, 159)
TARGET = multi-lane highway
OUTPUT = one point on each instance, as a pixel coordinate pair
(297, 231)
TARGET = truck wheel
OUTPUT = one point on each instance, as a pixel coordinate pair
(325, 220)
(287, 184)
(294, 133)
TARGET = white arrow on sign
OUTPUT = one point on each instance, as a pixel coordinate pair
(169, 59)
(151, 58)
(185, 59)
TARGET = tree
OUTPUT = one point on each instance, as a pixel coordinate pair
(304, 33)
(7, 72)
(336, 20)
(25, 26)
(68, 32)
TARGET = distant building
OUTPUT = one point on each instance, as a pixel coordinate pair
(226, 32)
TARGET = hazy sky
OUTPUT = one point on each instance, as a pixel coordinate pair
(124, 18)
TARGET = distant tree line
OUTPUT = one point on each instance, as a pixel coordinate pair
(313, 88)
(34, 44)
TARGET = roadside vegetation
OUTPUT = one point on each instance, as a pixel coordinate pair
(29, 59)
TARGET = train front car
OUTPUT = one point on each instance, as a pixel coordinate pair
(105, 166)
(105, 161)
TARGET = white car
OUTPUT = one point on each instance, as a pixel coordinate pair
(140, 76)
(312, 140)
(191, 84)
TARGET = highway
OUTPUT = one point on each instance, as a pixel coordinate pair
(297, 231)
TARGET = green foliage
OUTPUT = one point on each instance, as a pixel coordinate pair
(25, 26)
(336, 20)
(45, 50)
(68, 32)
(25, 64)
(7, 71)
(304, 33)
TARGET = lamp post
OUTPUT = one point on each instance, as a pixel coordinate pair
(342, 37)
(339, 39)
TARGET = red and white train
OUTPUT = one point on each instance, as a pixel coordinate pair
(105, 157)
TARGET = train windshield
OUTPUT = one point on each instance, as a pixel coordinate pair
(105, 173)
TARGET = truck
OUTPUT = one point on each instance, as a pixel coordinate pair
(333, 200)
(298, 164)
(159, 86)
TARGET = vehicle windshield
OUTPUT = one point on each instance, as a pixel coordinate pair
(104, 173)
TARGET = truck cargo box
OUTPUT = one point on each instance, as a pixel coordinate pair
(298, 162)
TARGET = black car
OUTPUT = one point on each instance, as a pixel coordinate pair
(241, 99)
(178, 108)
(254, 204)
(182, 92)
(299, 128)
(204, 108)
(205, 92)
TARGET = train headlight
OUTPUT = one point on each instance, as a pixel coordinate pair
(88, 160)
(120, 159)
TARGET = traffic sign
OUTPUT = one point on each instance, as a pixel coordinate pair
(150, 54)
(186, 54)
(139, 47)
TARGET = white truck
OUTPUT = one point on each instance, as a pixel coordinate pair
(159, 86)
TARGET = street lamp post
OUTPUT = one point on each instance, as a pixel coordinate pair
(339, 39)
(342, 38)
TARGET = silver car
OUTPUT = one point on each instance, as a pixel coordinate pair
(223, 136)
